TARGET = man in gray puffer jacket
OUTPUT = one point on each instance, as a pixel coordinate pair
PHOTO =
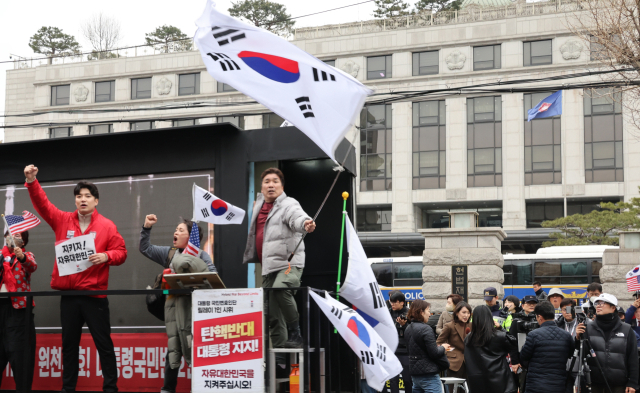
(277, 225)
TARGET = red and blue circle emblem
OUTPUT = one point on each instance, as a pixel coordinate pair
(272, 67)
(219, 207)
(359, 330)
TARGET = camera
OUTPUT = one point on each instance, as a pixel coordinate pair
(525, 323)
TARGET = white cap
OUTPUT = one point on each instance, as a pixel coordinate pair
(556, 291)
(608, 298)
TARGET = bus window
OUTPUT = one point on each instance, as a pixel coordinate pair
(517, 273)
(408, 274)
(569, 272)
(595, 271)
(382, 271)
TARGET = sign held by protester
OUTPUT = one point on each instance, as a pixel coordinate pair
(72, 256)
(227, 340)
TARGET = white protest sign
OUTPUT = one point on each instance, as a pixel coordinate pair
(72, 256)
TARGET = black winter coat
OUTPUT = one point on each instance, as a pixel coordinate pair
(423, 350)
(487, 367)
(547, 349)
(617, 355)
(402, 346)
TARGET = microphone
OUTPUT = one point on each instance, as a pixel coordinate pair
(467, 330)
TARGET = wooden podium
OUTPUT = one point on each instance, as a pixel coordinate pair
(205, 280)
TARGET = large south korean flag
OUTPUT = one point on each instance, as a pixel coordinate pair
(378, 360)
(361, 289)
(321, 101)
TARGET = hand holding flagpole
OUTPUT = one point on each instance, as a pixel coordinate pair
(13, 244)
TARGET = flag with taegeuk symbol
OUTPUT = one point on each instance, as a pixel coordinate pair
(193, 247)
(19, 224)
(633, 279)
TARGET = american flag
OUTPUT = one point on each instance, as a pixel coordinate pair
(193, 247)
(19, 224)
(633, 279)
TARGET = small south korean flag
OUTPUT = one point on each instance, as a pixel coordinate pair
(209, 208)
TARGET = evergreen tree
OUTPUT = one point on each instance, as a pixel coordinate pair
(51, 41)
(168, 39)
(265, 14)
(437, 5)
(390, 8)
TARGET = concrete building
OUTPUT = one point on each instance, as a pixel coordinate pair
(419, 157)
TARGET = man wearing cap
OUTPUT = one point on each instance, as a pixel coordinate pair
(614, 343)
(555, 297)
(529, 304)
(491, 298)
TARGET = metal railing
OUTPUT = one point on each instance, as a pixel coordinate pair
(426, 19)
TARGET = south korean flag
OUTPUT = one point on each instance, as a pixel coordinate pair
(209, 208)
(321, 101)
(378, 360)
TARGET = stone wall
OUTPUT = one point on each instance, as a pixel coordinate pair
(477, 248)
(615, 265)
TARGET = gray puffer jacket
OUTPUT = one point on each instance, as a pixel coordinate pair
(177, 312)
(282, 232)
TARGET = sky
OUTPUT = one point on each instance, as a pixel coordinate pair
(19, 20)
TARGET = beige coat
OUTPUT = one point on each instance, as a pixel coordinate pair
(454, 334)
(445, 318)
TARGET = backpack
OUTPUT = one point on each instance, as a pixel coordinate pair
(155, 303)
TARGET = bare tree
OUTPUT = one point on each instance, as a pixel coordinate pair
(609, 30)
(103, 32)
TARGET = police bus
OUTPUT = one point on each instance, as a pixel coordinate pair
(570, 268)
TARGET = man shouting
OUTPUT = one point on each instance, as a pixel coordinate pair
(75, 311)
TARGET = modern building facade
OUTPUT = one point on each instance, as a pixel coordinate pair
(418, 157)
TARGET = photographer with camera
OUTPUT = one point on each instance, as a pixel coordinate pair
(567, 321)
(615, 366)
(547, 350)
(399, 311)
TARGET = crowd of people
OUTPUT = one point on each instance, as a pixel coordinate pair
(536, 344)
(277, 225)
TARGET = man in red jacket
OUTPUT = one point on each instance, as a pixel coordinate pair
(76, 310)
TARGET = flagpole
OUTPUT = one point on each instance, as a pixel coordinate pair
(345, 195)
(9, 230)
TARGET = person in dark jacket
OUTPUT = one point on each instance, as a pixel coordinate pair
(424, 353)
(614, 343)
(632, 316)
(485, 354)
(540, 293)
(547, 350)
(491, 298)
(399, 313)
(163, 255)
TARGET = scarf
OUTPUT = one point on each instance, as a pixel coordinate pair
(607, 322)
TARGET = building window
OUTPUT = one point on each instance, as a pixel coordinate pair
(60, 95)
(271, 120)
(489, 216)
(185, 122)
(379, 67)
(587, 205)
(140, 88)
(429, 145)
(189, 84)
(105, 91)
(537, 212)
(60, 132)
(101, 129)
(332, 63)
(486, 57)
(374, 219)
(237, 121)
(375, 148)
(484, 142)
(542, 156)
(537, 53)
(142, 125)
(603, 136)
(223, 88)
(426, 63)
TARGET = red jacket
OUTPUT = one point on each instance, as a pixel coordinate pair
(16, 275)
(66, 225)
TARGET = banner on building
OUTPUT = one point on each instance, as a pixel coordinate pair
(140, 359)
(227, 340)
